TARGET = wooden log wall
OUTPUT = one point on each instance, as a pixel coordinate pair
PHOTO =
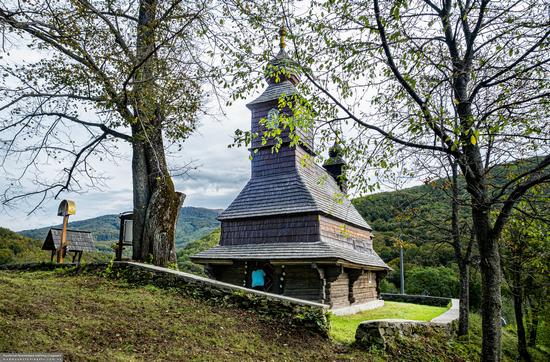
(362, 287)
(303, 282)
(337, 287)
(299, 228)
(343, 287)
(344, 234)
(233, 274)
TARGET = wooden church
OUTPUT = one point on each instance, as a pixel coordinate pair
(292, 219)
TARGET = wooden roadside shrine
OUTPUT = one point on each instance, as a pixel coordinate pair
(60, 241)
(66, 208)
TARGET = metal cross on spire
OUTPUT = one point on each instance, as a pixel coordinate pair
(282, 35)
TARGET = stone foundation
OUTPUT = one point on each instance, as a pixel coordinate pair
(378, 333)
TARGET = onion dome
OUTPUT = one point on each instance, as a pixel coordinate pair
(335, 165)
(282, 67)
(281, 73)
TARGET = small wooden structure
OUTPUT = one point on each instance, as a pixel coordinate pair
(125, 236)
(66, 209)
(77, 242)
(293, 220)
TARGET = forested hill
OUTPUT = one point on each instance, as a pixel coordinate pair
(13, 246)
(420, 216)
(193, 223)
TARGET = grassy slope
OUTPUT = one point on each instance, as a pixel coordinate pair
(89, 318)
(343, 327)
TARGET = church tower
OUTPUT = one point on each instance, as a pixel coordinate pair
(292, 219)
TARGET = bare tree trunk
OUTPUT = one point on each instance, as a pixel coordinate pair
(464, 296)
(462, 259)
(532, 327)
(518, 311)
(476, 184)
(532, 318)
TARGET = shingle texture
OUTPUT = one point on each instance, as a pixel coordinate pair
(77, 240)
(308, 189)
(291, 251)
(274, 92)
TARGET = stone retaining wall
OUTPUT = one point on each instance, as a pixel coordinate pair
(383, 332)
(380, 333)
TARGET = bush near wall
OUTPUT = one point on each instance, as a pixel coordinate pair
(439, 281)
(416, 299)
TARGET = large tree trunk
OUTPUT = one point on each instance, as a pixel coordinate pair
(160, 226)
(156, 203)
(165, 203)
(142, 194)
(490, 282)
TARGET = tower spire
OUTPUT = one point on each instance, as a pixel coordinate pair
(282, 35)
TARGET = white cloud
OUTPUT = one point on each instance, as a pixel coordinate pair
(220, 175)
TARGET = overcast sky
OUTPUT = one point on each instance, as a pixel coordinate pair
(221, 173)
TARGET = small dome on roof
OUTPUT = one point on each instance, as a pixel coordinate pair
(336, 155)
(336, 151)
(282, 67)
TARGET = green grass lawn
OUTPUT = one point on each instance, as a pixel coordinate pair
(343, 327)
(89, 318)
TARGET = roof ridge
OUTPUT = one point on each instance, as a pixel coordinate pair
(73, 230)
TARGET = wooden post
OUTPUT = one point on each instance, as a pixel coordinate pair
(66, 208)
(401, 271)
(63, 242)
(120, 244)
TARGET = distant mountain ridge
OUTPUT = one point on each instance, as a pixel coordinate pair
(193, 223)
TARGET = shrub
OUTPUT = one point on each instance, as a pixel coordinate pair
(6, 256)
(388, 287)
(435, 281)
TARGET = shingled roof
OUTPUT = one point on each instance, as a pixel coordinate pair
(274, 92)
(77, 240)
(291, 251)
(309, 190)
